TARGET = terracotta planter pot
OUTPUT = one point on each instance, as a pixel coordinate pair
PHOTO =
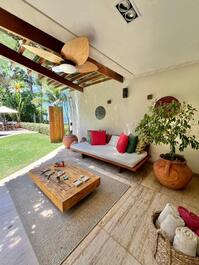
(172, 174)
(69, 139)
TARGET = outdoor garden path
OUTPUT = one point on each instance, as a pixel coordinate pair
(122, 236)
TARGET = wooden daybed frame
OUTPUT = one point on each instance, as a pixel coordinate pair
(121, 166)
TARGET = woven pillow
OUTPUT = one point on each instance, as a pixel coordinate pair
(141, 145)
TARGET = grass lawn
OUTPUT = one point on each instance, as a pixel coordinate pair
(19, 151)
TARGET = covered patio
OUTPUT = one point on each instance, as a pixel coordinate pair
(100, 166)
(123, 231)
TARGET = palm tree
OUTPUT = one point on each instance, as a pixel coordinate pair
(53, 96)
(57, 97)
(38, 102)
(16, 82)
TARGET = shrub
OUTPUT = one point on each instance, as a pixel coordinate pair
(39, 127)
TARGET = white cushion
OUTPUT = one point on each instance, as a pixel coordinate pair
(110, 153)
(113, 141)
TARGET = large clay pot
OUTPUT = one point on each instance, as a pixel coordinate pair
(69, 139)
(172, 174)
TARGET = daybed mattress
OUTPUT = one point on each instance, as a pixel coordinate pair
(109, 152)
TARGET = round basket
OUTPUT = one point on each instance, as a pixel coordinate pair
(163, 251)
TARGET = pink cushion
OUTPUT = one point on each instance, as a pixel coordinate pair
(191, 220)
(122, 143)
(98, 137)
(197, 232)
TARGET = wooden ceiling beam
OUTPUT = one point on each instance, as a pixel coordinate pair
(16, 57)
(97, 82)
(59, 85)
(51, 81)
(93, 77)
(76, 78)
(40, 77)
(72, 76)
(26, 30)
(22, 28)
(21, 48)
(64, 75)
(107, 71)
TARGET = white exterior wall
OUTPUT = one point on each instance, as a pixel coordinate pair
(124, 114)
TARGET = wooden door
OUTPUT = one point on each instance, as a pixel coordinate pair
(56, 124)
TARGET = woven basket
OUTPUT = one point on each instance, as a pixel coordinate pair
(163, 251)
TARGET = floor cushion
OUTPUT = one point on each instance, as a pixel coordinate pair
(132, 144)
(98, 137)
(122, 143)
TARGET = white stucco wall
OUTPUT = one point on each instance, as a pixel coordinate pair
(124, 114)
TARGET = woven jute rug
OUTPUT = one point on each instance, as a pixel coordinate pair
(54, 235)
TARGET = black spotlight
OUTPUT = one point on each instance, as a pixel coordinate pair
(127, 10)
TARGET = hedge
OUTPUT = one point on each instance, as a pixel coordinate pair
(39, 127)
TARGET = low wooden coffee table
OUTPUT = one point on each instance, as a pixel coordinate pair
(64, 194)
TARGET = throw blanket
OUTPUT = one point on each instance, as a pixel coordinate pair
(185, 241)
(169, 225)
(198, 247)
(191, 219)
(168, 209)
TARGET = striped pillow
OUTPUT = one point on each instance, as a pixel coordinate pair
(141, 145)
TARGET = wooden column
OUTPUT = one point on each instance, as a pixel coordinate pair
(56, 124)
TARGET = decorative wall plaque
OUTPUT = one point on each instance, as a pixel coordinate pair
(165, 101)
(100, 112)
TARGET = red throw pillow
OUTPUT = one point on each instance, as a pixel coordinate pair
(98, 137)
(122, 143)
(191, 220)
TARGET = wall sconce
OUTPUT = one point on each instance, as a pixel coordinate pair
(125, 92)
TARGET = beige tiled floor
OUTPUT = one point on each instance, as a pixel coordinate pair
(122, 236)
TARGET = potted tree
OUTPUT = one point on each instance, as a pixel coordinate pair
(171, 124)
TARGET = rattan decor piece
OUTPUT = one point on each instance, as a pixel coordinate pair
(163, 251)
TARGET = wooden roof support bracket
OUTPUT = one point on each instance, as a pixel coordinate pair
(16, 57)
(21, 27)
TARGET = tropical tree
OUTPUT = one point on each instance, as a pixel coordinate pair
(53, 95)
(57, 97)
(16, 89)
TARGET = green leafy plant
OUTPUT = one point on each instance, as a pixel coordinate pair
(170, 124)
(40, 127)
